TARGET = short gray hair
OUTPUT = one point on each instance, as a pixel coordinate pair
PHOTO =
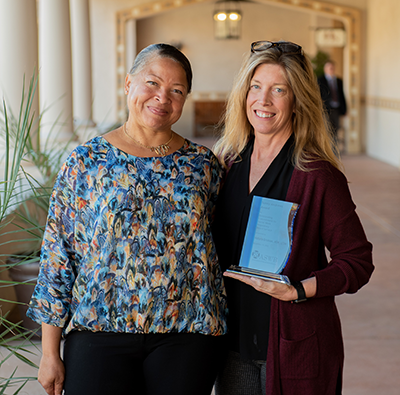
(163, 51)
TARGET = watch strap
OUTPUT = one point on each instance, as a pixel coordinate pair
(301, 293)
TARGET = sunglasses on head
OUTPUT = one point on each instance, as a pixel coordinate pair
(285, 47)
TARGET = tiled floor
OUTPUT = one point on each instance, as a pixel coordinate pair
(370, 318)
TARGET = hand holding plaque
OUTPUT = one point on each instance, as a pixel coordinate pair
(268, 239)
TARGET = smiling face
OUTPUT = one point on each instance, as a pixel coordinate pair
(270, 101)
(156, 95)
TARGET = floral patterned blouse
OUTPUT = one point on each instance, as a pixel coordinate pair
(128, 245)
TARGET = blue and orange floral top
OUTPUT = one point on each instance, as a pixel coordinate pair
(128, 245)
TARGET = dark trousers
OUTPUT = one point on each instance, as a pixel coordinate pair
(334, 119)
(238, 377)
(103, 363)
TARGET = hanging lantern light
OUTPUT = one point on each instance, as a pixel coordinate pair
(227, 20)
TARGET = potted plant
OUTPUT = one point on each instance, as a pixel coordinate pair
(319, 61)
(24, 201)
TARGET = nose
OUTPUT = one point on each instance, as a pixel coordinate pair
(162, 96)
(265, 98)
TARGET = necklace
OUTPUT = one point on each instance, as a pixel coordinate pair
(161, 149)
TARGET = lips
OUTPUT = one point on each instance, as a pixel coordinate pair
(263, 114)
(157, 110)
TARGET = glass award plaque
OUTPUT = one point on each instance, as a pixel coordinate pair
(268, 239)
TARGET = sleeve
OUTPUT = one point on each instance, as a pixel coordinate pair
(51, 299)
(324, 90)
(351, 265)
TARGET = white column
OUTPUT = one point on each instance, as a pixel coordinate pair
(313, 48)
(18, 51)
(81, 63)
(55, 75)
(130, 42)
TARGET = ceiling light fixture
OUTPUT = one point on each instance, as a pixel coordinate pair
(227, 20)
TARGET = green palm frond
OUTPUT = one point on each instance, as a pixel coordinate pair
(24, 201)
(18, 189)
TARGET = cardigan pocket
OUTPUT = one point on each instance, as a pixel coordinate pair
(299, 359)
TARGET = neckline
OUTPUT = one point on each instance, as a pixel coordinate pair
(273, 169)
(185, 144)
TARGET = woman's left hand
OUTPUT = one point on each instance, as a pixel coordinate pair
(276, 290)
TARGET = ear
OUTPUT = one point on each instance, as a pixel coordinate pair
(127, 85)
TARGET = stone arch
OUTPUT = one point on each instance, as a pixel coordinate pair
(351, 17)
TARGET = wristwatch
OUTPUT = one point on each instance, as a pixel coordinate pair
(301, 294)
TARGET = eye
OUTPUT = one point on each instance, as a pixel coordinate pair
(280, 91)
(179, 92)
(254, 86)
(151, 82)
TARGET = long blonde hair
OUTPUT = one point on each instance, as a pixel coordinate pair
(312, 134)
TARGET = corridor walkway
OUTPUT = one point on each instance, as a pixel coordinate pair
(370, 318)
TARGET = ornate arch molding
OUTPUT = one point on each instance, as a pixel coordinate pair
(351, 17)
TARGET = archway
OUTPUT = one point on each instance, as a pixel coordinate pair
(351, 18)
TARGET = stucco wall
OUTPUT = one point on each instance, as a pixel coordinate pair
(192, 25)
(214, 62)
(383, 82)
(361, 4)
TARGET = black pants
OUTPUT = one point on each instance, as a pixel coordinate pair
(103, 363)
(334, 119)
(238, 377)
(241, 377)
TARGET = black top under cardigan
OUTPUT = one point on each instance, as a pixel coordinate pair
(248, 321)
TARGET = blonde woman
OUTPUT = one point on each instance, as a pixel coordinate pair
(285, 339)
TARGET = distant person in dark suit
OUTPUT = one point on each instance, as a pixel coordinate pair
(332, 94)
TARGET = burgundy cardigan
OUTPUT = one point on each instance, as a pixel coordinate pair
(305, 352)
